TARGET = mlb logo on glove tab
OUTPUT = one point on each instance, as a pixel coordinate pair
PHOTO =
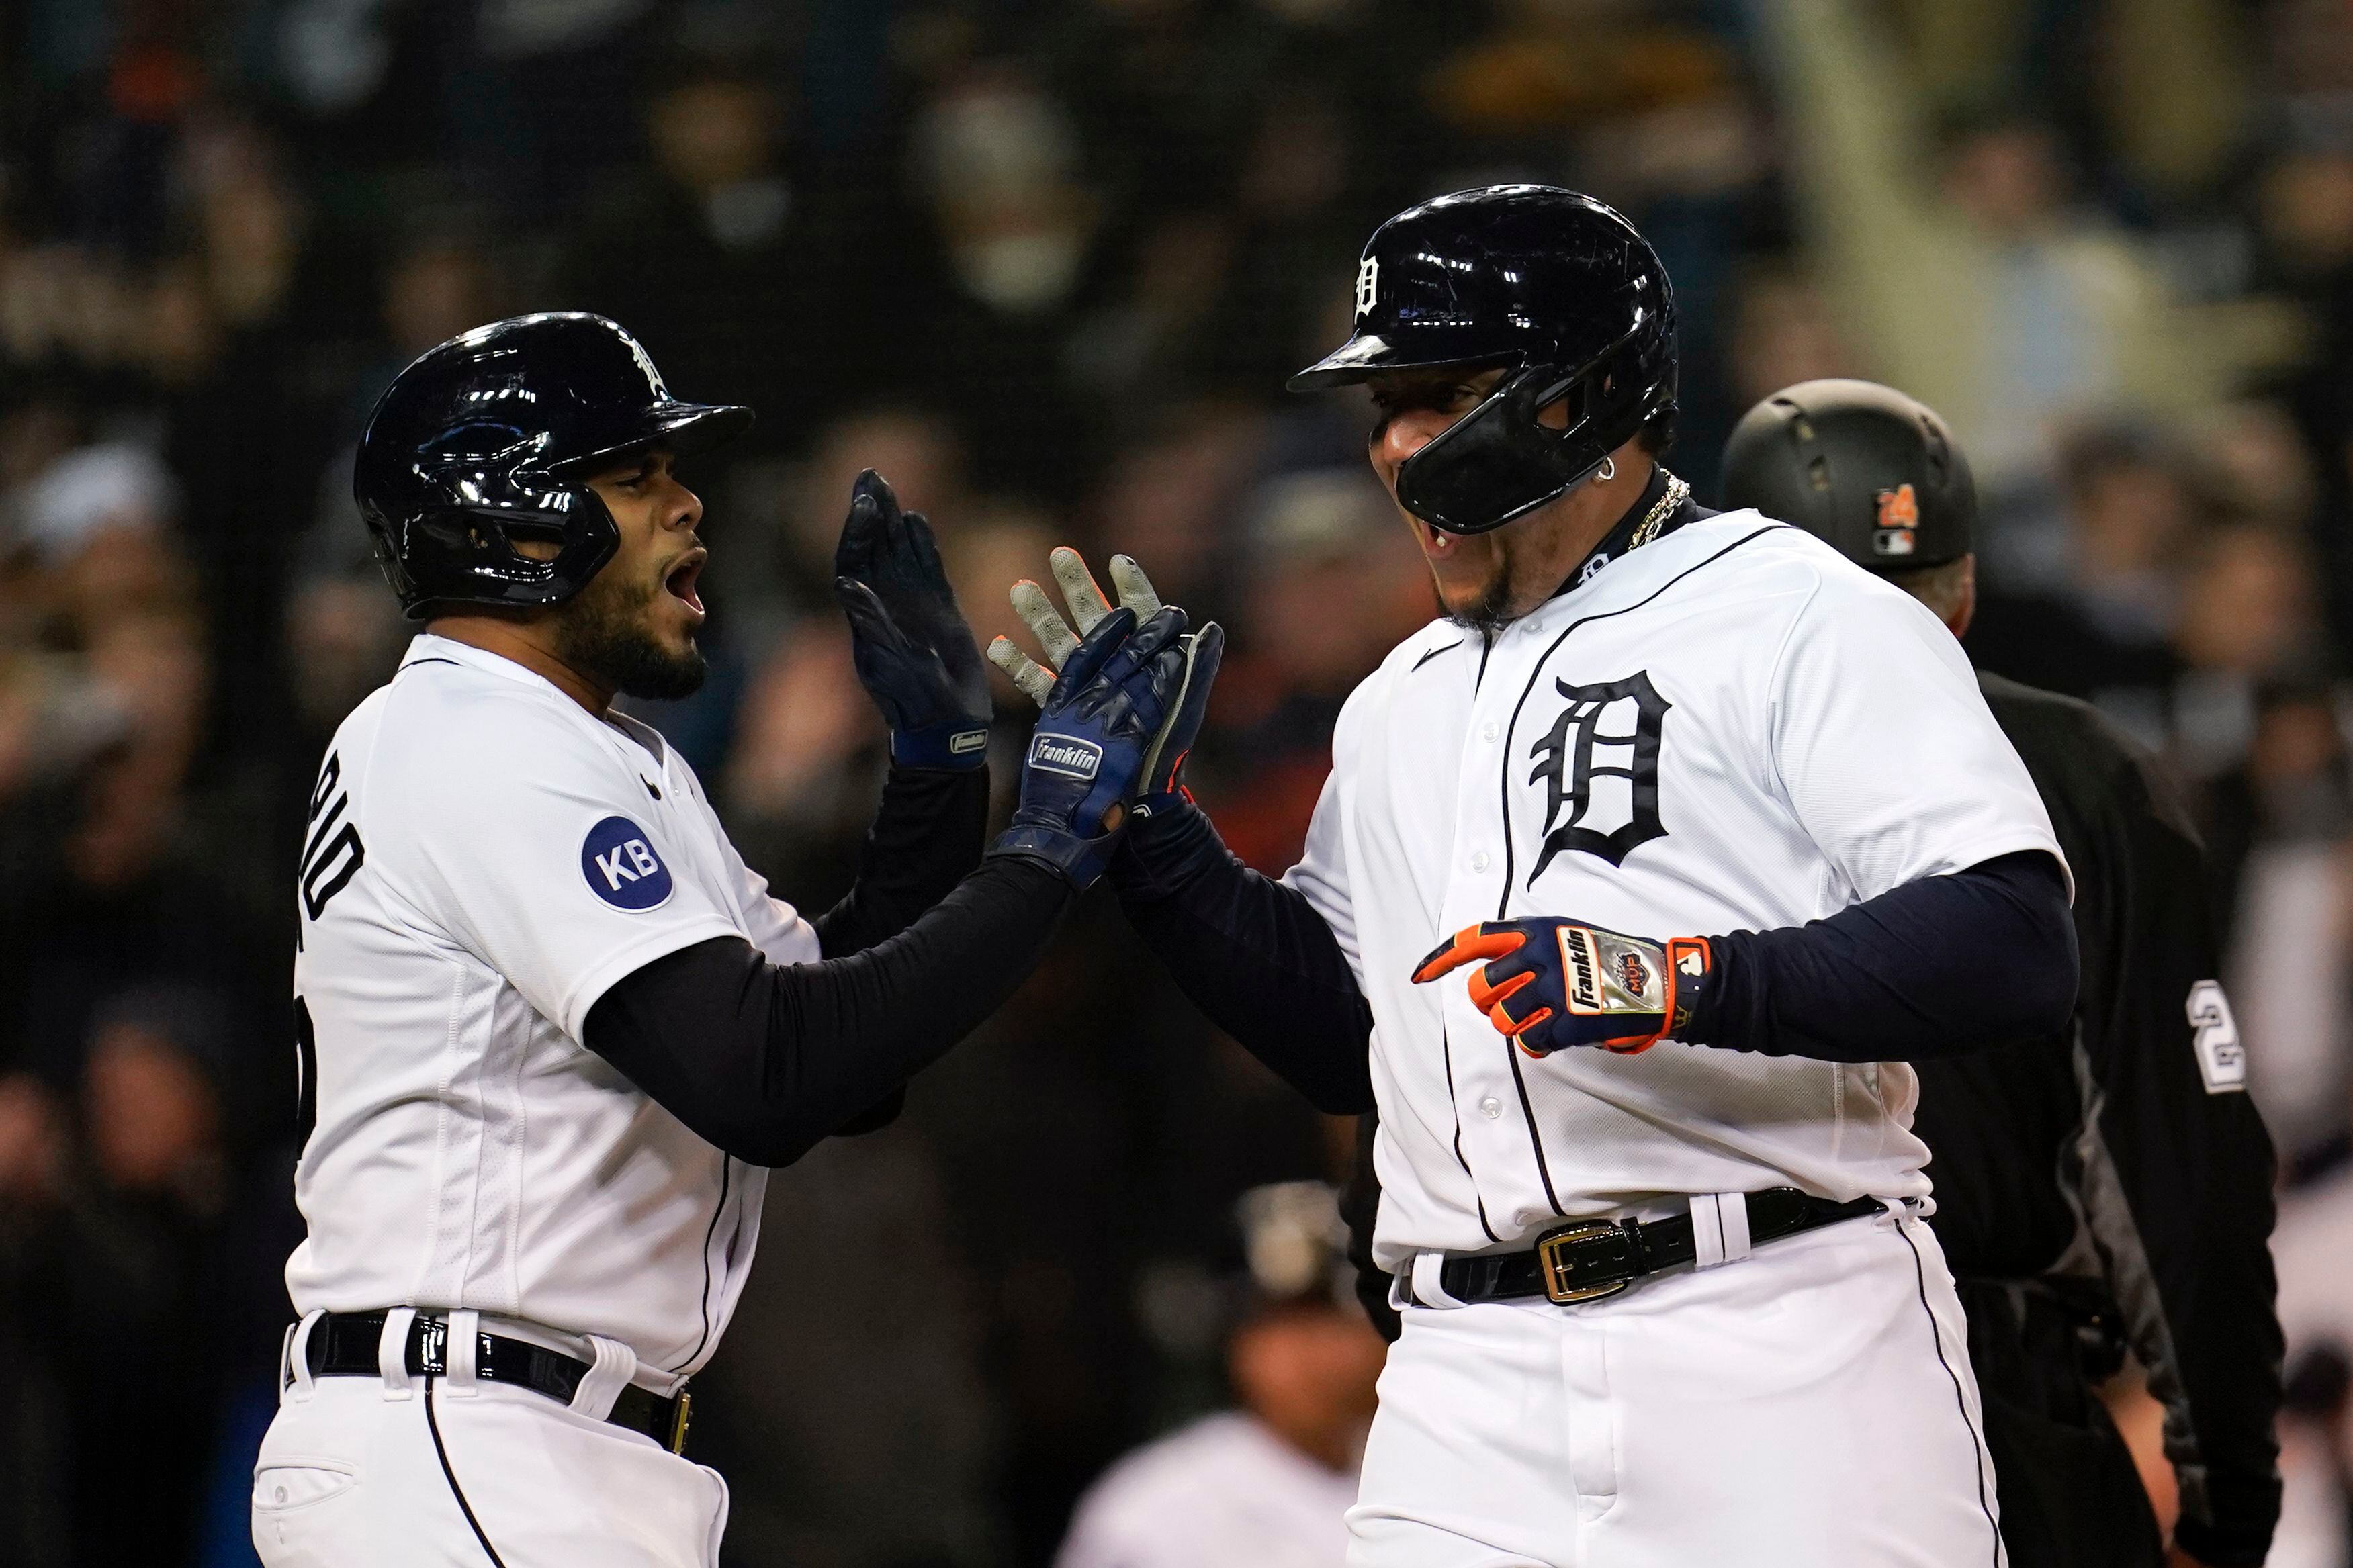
(621, 866)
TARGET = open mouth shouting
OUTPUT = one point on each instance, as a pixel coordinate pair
(679, 582)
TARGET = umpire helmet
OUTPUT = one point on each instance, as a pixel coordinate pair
(1544, 280)
(1873, 472)
(489, 439)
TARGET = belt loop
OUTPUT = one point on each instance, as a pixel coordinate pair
(1401, 1290)
(1719, 1229)
(392, 1354)
(298, 1382)
(617, 1363)
(465, 1340)
(1429, 1282)
(1707, 1229)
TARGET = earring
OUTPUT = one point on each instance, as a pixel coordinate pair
(1606, 471)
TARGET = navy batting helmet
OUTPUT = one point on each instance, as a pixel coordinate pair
(1859, 465)
(1533, 277)
(488, 439)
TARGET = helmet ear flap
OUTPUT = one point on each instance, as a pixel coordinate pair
(475, 545)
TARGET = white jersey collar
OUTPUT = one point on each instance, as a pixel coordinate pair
(427, 647)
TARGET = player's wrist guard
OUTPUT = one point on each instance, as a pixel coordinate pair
(955, 745)
(1548, 984)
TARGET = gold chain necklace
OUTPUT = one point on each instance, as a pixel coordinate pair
(1677, 493)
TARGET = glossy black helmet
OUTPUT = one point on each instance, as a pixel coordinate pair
(488, 439)
(1533, 277)
(1859, 465)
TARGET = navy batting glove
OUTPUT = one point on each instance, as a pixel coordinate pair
(915, 655)
(1086, 757)
(1163, 788)
(1547, 984)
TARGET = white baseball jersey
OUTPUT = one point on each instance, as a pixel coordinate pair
(1730, 728)
(1223, 1490)
(484, 860)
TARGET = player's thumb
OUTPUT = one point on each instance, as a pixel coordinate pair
(868, 621)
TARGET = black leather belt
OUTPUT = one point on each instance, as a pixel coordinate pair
(1589, 1260)
(344, 1344)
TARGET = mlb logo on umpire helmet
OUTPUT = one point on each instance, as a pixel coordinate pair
(1899, 521)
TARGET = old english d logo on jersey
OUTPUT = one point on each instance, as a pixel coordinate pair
(619, 862)
(1599, 765)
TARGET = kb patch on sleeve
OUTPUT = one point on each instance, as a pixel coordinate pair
(621, 867)
(2222, 1059)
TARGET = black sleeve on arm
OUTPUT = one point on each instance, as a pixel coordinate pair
(1253, 954)
(2174, 1173)
(926, 834)
(764, 1060)
(1983, 957)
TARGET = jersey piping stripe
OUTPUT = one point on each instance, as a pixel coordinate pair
(1503, 785)
(451, 1476)
(1433, 653)
(1536, 1139)
(1446, 1048)
(1445, 1036)
(1960, 1400)
(726, 1169)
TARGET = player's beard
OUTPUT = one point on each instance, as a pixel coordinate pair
(1489, 611)
(603, 633)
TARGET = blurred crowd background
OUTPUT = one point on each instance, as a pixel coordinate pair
(1045, 264)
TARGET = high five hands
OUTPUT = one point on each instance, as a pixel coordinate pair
(1116, 712)
(1160, 784)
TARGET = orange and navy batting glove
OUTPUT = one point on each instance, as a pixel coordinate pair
(1551, 984)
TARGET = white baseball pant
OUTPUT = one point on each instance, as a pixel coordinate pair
(363, 1472)
(1809, 1405)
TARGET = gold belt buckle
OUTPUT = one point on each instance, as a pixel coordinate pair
(1554, 1259)
(678, 1425)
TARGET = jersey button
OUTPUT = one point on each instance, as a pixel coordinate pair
(1478, 861)
(1490, 730)
(1491, 1108)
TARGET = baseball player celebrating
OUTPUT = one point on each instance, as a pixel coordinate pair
(553, 1032)
(2116, 1190)
(1713, 833)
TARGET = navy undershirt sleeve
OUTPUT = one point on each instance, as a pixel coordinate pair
(926, 834)
(764, 1060)
(1252, 954)
(1982, 957)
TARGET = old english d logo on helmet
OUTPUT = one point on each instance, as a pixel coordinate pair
(1552, 286)
(487, 438)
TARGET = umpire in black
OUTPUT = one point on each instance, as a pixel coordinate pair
(2116, 1194)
